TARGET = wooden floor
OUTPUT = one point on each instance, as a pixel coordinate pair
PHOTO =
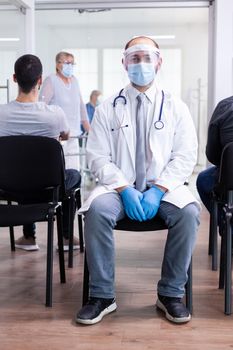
(25, 323)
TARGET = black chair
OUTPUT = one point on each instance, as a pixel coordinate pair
(213, 230)
(127, 224)
(32, 175)
(74, 197)
(221, 215)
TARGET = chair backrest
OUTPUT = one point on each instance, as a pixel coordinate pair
(226, 168)
(30, 164)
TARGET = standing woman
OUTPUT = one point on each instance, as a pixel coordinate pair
(62, 89)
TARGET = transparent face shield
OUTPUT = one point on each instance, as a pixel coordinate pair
(141, 54)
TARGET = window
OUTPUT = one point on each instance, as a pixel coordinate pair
(7, 59)
(169, 76)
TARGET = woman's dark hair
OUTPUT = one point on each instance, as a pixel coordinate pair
(28, 70)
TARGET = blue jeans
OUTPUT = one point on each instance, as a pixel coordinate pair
(72, 180)
(206, 181)
(100, 220)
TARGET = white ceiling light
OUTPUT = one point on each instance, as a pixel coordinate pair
(9, 39)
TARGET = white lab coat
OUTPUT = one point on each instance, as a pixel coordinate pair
(111, 149)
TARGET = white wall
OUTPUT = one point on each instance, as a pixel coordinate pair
(56, 30)
(191, 38)
(222, 50)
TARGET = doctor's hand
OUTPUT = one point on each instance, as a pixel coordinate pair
(131, 199)
(151, 201)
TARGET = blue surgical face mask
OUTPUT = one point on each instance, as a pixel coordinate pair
(67, 70)
(142, 73)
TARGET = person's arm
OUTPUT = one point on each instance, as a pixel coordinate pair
(83, 113)
(184, 150)
(120, 189)
(64, 136)
(63, 124)
(99, 151)
(46, 91)
(213, 146)
(162, 188)
(86, 125)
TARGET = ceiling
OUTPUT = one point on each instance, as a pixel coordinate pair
(82, 16)
(126, 17)
(76, 4)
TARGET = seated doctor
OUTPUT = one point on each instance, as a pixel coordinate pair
(142, 147)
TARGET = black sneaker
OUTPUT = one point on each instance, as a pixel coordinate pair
(174, 309)
(95, 310)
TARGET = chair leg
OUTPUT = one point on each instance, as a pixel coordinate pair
(222, 263)
(189, 287)
(71, 228)
(49, 275)
(85, 281)
(210, 247)
(214, 229)
(12, 238)
(60, 245)
(228, 276)
(80, 223)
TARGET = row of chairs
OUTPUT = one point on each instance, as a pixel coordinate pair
(32, 170)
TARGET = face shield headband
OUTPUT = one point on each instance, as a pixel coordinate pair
(141, 53)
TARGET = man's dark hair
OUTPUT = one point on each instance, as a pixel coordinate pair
(28, 69)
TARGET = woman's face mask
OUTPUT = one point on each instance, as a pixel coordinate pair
(141, 74)
(67, 70)
(99, 100)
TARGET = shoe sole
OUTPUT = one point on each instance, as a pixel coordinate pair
(105, 312)
(170, 317)
(27, 247)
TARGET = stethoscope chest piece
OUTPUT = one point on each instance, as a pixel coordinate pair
(159, 124)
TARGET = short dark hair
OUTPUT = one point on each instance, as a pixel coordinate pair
(141, 36)
(28, 70)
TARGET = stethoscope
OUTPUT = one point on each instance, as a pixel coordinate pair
(159, 124)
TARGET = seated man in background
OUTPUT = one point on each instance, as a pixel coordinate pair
(27, 116)
(220, 133)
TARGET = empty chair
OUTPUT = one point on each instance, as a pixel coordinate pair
(32, 181)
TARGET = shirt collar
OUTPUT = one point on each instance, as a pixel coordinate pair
(150, 93)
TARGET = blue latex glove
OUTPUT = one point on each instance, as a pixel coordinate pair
(151, 201)
(131, 199)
